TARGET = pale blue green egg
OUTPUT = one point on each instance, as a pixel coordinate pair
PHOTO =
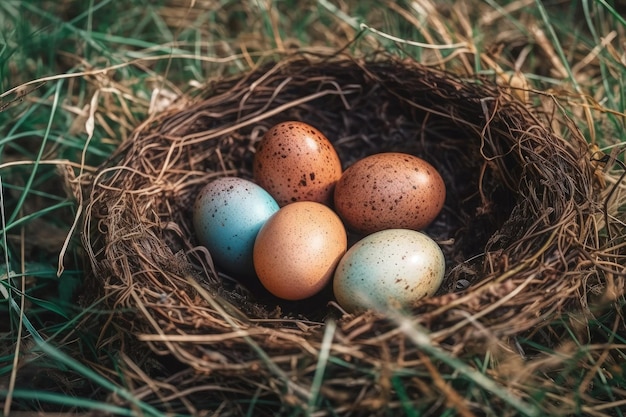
(392, 268)
(227, 216)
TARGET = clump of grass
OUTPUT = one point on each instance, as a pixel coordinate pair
(77, 77)
(72, 92)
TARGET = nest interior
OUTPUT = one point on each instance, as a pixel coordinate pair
(515, 227)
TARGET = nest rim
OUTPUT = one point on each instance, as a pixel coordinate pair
(201, 323)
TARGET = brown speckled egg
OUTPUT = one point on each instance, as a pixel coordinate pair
(296, 162)
(298, 248)
(389, 191)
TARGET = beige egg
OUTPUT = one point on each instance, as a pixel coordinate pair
(298, 248)
(389, 191)
(296, 162)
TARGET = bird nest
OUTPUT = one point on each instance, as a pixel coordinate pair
(518, 230)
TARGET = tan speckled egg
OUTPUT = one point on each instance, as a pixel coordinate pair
(389, 191)
(298, 248)
(296, 162)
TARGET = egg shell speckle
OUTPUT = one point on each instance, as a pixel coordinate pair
(298, 248)
(296, 162)
(391, 268)
(227, 216)
(388, 191)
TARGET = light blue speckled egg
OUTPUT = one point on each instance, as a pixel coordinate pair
(392, 268)
(227, 216)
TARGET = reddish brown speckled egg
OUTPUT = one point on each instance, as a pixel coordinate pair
(389, 191)
(296, 162)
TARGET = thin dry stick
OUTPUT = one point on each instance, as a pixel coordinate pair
(453, 397)
(422, 340)
(263, 355)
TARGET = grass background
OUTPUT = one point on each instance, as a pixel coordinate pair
(76, 77)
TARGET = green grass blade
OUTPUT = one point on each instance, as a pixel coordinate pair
(420, 338)
(71, 402)
(33, 174)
